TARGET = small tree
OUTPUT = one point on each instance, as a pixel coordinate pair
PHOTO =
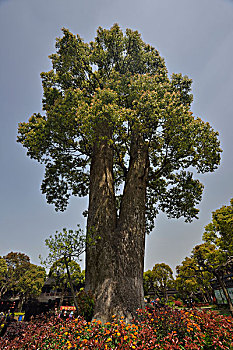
(159, 279)
(59, 273)
(65, 247)
(163, 278)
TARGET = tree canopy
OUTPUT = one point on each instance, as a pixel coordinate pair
(219, 231)
(192, 280)
(20, 277)
(119, 81)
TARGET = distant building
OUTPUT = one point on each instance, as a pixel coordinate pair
(219, 295)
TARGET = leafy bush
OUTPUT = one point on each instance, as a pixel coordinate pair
(86, 304)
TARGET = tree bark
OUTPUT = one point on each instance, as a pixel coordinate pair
(101, 221)
(114, 266)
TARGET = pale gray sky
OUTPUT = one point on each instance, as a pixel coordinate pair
(194, 36)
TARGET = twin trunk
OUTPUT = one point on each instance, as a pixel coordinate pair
(114, 265)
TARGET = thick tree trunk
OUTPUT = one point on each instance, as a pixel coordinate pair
(101, 221)
(114, 266)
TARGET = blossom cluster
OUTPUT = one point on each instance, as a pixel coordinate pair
(163, 328)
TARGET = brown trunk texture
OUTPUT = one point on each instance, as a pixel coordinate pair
(114, 266)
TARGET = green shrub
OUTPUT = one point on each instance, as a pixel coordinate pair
(86, 304)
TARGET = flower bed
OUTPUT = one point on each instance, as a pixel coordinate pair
(163, 328)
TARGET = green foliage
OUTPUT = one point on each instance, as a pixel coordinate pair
(213, 258)
(119, 84)
(65, 246)
(86, 304)
(158, 280)
(210, 259)
(59, 273)
(219, 231)
(17, 264)
(32, 281)
(191, 279)
(19, 276)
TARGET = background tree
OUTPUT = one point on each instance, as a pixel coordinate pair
(118, 128)
(17, 264)
(59, 274)
(148, 283)
(159, 280)
(163, 279)
(65, 247)
(3, 276)
(192, 281)
(214, 261)
(19, 277)
(30, 283)
(220, 231)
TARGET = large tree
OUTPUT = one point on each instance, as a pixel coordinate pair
(118, 128)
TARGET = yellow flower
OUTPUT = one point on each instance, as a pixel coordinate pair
(109, 339)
